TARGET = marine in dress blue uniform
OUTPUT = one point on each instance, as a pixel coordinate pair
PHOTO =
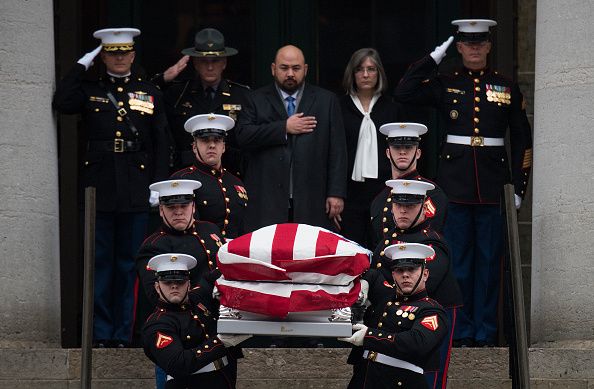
(416, 227)
(222, 199)
(127, 149)
(180, 336)
(404, 327)
(402, 138)
(479, 106)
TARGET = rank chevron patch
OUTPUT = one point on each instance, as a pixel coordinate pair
(430, 322)
(163, 340)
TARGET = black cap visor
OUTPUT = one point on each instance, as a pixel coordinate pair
(407, 198)
(406, 262)
(473, 37)
(173, 275)
(404, 141)
(176, 199)
(208, 132)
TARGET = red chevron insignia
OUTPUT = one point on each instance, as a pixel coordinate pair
(430, 322)
(431, 209)
(163, 340)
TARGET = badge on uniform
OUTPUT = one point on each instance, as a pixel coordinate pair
(140, 101)
(163, 340)
(232, 108)
(216, 238)
(430, 322)
(498, 94)
(456, 91)
(187, 104)
(407, 311)
(241, 192)
(98, 99)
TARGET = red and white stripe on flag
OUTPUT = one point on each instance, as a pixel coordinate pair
(277, 299)
(293, 252)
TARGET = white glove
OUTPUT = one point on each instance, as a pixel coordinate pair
(357, 338)
(154, 198)
(440, 51)
(87, 59)
(518, 201)
(363, 292)
(230, 340)
(215, 293)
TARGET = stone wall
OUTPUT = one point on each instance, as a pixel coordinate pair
(29, 225)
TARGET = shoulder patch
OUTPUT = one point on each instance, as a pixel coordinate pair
(430, 322)
(163, 340)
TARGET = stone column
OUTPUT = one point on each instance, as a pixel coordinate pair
(29, 223)
(563, 181)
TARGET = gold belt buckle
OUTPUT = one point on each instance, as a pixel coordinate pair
(122, 112)
(118, 145)
(372, 356)
(218, 364)
(477, 141)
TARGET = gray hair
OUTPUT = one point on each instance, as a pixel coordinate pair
(358, 57)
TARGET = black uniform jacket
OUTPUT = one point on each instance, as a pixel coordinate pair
(181, 339)
(187, 98)
(408, 328)
(313, 166)
(222, 199)
(474, 103)
(121, 178)
(202, 241)
(382, 219)
(441, 285)
(384, 111)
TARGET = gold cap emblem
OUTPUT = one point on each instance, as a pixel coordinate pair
(174, 184)
(173, 258)
(211, 116)
(402, 247)
(402, 126)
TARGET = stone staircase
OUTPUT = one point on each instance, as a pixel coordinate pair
(289, 368)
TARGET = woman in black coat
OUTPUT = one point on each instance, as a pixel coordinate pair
(365, 108)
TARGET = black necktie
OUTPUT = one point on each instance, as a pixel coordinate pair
(209, 93)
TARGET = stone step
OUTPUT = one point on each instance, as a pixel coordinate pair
(288, 368)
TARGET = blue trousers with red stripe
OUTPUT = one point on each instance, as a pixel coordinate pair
(474, 234)
(118, 237)
(439, 379)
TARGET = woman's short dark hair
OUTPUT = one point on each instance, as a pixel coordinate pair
(358, 57)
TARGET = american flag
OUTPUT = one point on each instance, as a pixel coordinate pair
(290, 268)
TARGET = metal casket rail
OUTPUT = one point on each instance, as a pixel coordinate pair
(326, 323)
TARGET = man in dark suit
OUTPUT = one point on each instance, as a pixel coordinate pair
(294, 136)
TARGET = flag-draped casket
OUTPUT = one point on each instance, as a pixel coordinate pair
(290, 267)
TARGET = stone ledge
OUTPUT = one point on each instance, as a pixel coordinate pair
(551, 367)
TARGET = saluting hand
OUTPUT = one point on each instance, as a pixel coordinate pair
(299, 124)
(87, 59)
(174, 71)
(440, 51)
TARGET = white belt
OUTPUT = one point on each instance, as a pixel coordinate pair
(216, 365)
(390, 361)
(475, 140)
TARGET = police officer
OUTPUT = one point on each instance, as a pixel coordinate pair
(125, 123)
(222, 199)
(403, 152)
(207, 92)
(479, 105)
(180, 232)
(180, 336)
(408, 210)
(405, 327)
